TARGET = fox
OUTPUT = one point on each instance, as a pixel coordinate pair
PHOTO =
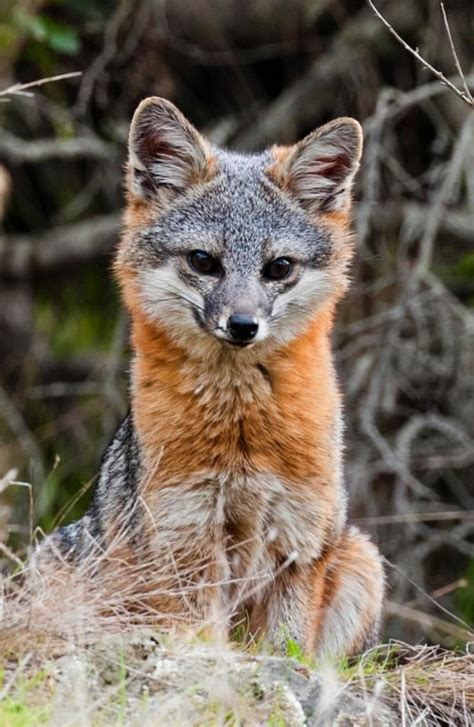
(224, 482)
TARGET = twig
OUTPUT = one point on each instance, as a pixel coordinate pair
(391, 215)
(443, 591)
(19, 88)
(427, 621)
(455, 55)
(442, 197)
(22, 150)
(465, 626)
(100, 63)
(21, 255)
(403, 100)
(415, 517)
(461, 94)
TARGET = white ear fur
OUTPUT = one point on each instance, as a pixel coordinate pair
(164, 148)
(322, 166)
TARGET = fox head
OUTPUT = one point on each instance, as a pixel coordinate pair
(231, 249)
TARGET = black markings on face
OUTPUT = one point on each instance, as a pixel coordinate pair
(198, 319)
(187, 276)
(242, 219)
(322, 256)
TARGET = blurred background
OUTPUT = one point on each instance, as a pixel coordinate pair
(249, 73)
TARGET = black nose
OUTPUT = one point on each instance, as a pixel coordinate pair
(242, 328)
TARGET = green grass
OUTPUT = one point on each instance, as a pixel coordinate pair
(14, 713)
(81, 315)
(29, 704)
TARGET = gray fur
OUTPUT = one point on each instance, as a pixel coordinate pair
(115, 499)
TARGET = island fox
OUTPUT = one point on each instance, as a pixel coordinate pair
(226, 476)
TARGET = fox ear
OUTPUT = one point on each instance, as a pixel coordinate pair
(165, 150)
(319, 170)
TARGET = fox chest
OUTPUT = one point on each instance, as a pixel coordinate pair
(248, 524)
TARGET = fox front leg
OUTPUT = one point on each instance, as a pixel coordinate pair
(282, 613)
(331, 608)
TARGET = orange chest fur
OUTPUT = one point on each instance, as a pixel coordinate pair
(216, 416)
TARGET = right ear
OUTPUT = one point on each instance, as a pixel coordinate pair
(319, 170)
(165, 150)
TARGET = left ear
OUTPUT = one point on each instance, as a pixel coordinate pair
(165, 150)
(319, 170)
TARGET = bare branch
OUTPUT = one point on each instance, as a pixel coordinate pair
(428, 622)
(105, 56)
(20, 89)
(16, 149)
(455, 55)
(461, 94)
(22, 255)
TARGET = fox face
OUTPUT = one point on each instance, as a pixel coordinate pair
(229, 249)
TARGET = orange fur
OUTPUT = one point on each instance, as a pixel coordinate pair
(287, 433)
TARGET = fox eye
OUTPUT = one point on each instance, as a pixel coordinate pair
(278, 269)
(203, 263)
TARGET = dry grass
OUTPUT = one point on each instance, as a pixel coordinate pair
(425, 684)
(82, 648)
(78, 649)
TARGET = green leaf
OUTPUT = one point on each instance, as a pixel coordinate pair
(61, 37)
(31, 24)
(293, 650)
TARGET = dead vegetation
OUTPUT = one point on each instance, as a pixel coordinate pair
(78, 649)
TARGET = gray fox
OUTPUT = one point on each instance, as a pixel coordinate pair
(224, 482)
